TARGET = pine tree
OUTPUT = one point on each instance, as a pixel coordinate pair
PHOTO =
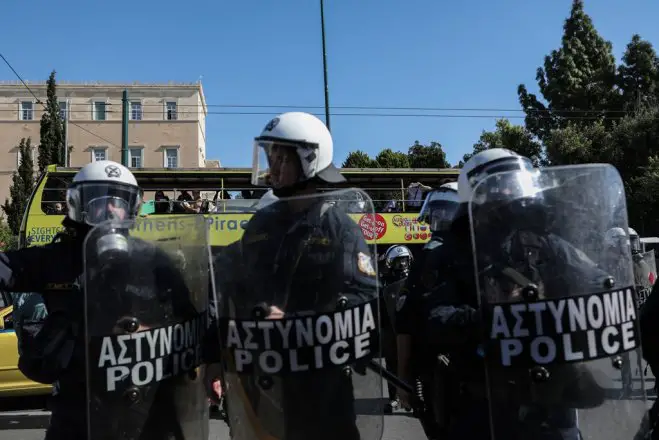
(21, 187)
(638, 76)
(51, 148)
(578, 79)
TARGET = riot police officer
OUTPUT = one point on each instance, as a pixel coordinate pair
(395, 263)
(299, 256)
(617, 240)
(394, 267)
(514, 210)
(438, 212)
(55, 353)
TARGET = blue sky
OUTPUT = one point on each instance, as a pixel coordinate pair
(381, 53)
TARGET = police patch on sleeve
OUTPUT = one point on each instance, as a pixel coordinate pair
(365, 264)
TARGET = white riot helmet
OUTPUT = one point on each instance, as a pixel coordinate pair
(617, 239)
(267, 199)
(440, 207)
(312, 142)
(103, 190)
(486, 163)
(396, 261)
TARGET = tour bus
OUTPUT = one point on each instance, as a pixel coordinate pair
(228, 200)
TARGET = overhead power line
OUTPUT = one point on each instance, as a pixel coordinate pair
(44, 105)
(363, 114)
(162, 106)
(364, 111)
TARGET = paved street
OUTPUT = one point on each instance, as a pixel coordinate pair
(19, 420)
(30, 425)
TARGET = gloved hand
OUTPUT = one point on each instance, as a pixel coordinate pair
(212, 376)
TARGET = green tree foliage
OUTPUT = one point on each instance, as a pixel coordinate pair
(8, 241)
(594, 111)
(638, 75)
(577, 81)
(642, 198)
(427, 156)
(51, 147)
(417, 156)
(358, 159)
(21, 188)
(388, 158)
(513, 137)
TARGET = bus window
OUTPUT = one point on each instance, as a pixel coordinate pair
(53, 199)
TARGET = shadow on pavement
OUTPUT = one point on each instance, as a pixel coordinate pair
(23, 413)
(15, 422)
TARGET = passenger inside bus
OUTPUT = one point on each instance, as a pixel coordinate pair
(193, 201)
(161, 203)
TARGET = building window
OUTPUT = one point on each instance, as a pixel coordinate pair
(63, 107)
(27, 111)
(136, 111)
(135, 158)
(170, 110)
(171, 157)
(99, 153)
(99, 111)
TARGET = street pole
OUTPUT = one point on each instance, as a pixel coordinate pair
(66, 133)
(124, 128)
(322, 30)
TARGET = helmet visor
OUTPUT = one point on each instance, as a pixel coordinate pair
(272, 159)
(401, 263)
(442, 215)
(94, 203)
(439, 208)
(509, 186)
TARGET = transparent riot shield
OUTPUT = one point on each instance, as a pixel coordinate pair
(645, 274)
(299, 322)
(558, 304)
(146, 316)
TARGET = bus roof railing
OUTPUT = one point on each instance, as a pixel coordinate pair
(240, 178)
(448, 171)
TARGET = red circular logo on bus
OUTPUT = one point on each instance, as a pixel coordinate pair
(652, 278)
(374, 226)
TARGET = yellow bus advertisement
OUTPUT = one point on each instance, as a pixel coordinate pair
(384, 228)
